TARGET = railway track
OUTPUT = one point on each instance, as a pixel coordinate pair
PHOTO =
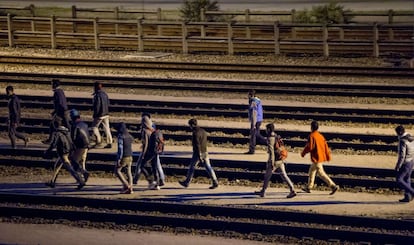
(254, 222)
(211, 67)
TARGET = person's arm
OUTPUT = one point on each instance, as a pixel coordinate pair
(271, 149)
(120, 152)
(402, 149)
(308, 147)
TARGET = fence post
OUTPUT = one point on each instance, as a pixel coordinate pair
(116, 16)
(159, 19)
(375, 41)
(140, 35)
(293, 29)
(230, 38)
(33, 14)
(184, 34)
(53, 31)
(325, 41)
(203, 19)
(74, 16)
(96, 33)
(10, 30)
(247, 18)
(277, 37)
(390, 21)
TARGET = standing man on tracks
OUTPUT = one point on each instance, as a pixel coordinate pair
(200, 154)
(319, 153)
(405, 162)
(60, 111)
(80, 137)
(255, 117)
(124, 158)
(274, 163)
(14, 118)
(101, 116)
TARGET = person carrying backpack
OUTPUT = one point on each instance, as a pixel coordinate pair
(62, 142)
(80, 139)
(275, 161)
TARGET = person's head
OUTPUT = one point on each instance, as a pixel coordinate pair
(314, 125)
(122, 128)
(146, 122)
(55, 83)
(9, 90)
(192, 122)
(97, 86)
(400, 130)
(74, 114)
(252, 93)
(270, 128)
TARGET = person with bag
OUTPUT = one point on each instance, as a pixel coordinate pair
(124, 158)
(277, 155)
(62, 142)
(319, 153)
(80, 139)
(200, 154)
(405, 162)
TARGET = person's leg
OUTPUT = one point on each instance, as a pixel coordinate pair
(160, 171)
(56, 169)
(259, 137)
(210, 170)
(68, 166)
(252, 140)
(190, 173)
(120, 175)
(311, 176)
(266, 180)
(12, 134)
(285, 177)
(95, 128)
(107, 129)
(322, 174)
(404, 177)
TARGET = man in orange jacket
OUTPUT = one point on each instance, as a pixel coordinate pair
(319, 153)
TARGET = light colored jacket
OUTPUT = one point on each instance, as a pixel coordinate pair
(405, 150)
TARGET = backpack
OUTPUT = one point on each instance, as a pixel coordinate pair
(157, 141)
(280, 150)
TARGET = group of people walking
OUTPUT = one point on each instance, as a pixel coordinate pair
(70, 136)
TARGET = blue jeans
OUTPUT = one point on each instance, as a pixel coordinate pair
(404, 178)
(195, 160)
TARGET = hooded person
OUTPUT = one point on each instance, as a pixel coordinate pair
(124, 158)
(150, 173)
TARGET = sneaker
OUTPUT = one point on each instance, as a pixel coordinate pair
(99, 146)
(292, 194)
(50, 184)
(153, 186)
(80, 186)
(108, 146)
(334, 189)
(134, 181)
(260, 193)
(162, 183)
(127, 190)
(26, 141)
(406, 199)
(214, 186)
(183, 183)
(86, 176)
(306, 189)
(249, 152)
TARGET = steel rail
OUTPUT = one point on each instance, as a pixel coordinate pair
(242, 220)
(211, 67)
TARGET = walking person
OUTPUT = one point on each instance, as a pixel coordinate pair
(319, 153)
(124, 158)
(14, 118)
(255, 117)
(101, 116)
(405, 162)
(60, 111)
(274, 163)
(62, 142)
(146, 156)
(80, 138)
(199, 142)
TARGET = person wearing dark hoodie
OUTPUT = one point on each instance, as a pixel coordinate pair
(60, 109)
(62, 142)
(150, 173)
(405, 162)
(101, 116)
(14, 118)
(124, 158)
(80, 139)
(200, 154)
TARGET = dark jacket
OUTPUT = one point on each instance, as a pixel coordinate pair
(60, 103)
(14, 109)
(61, 141)
(100, 104)
(199, 140)
(80, 134)
(125, 140)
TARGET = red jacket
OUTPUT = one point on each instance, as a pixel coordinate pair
(318, 148)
